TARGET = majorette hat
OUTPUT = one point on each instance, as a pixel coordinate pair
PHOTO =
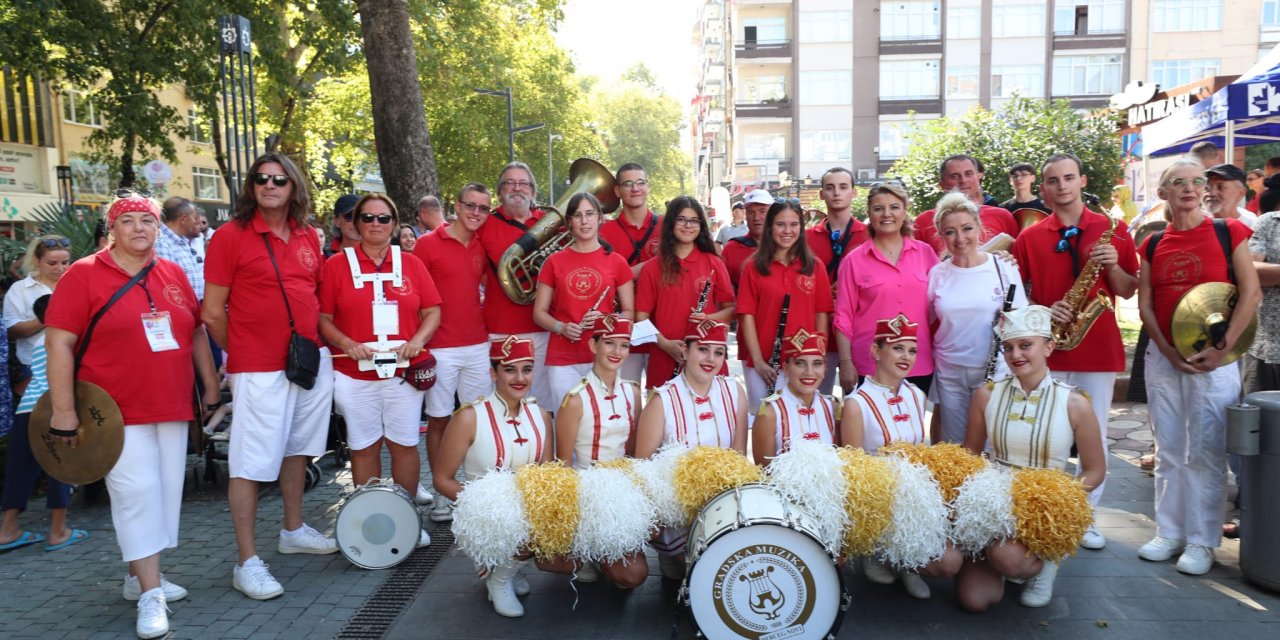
(804, 343)
(134, 203)
(612, 326)
(1033, 320)
(707, 332)
(896, 329)
(510, 350)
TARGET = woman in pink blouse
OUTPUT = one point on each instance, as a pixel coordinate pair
(879, 279)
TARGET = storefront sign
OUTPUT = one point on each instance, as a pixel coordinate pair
(20, 169)
(1158, 109)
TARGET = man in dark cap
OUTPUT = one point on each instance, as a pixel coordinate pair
(1224, 197)
(344, 227)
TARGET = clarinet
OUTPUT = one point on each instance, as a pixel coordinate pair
(697, 308)
(775, 358)
(995, 342)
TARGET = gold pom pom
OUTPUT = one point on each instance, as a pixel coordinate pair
(871, 482)
(550, 494)
(951, 464)
(1052, 512)
(703, 472)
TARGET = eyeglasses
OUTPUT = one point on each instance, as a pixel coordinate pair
(634, 184)
(793, 201)
(54, 243)
(688, 222)
(521, 184)
(348, 215)
(129, 193)
(474, 208)
(384, 218)
(578, 215)
(888, 183)
(1066, 234)
(278, 180)
(1183, 182)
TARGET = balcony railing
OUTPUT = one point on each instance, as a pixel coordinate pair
(768, 109)
(763, 48)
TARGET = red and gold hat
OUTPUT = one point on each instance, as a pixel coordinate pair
(510, 350)
(896, 329)
(612, 326)
(132, 204)
(804, 343)
(707, 332)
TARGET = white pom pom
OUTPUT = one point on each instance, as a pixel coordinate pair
(810, 475)
(658, 474)
(489, 522)
(983, 510)
(917, 534)
(615, 517)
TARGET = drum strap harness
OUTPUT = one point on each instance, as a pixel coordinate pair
(384, 360)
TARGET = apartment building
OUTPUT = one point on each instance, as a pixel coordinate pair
(711, 152)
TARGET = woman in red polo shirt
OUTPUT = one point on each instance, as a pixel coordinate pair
(379, 305)
(141, 352)
(782, 265)
(670, 287)
(576, 286)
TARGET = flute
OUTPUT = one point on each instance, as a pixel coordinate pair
(603, 294)
(697, 308)
(993, 361)
(775, 358)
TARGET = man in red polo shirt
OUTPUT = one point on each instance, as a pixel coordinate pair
(635, 235)
(277, 426)
(834, 238)
(1051, 255)
(963, 173)
(737, 251)
(457, 263)
(517, 190)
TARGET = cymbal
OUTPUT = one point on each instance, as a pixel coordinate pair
(1201, 319)
(1147, 229)
(101, 437)
(1027, 217)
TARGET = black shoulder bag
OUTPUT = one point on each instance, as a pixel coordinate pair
(302, 363)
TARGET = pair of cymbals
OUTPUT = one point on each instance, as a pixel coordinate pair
(1201, 318)
(100, 437)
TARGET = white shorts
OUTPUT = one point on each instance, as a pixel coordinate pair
(275, 419)
(541, 388)
(756, 390)
(460, 370)
(146, 488)
(633, 367)
(375, 409)
(563, 378)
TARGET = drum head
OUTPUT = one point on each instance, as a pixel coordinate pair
(765, 581)
(377, 527)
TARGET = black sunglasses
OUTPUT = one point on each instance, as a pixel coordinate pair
(54, 243)
(384, 218)
(128, 193)
(1066, 233)
(278, 180)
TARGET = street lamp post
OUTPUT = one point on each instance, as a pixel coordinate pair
(512, 129)
(551, 166)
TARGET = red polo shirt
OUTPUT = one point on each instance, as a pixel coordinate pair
(994, 222)
(761, 296)
(735, 253)
(501, 315)
(352, 308)
(578, 280)
(148, 386)
(1185, 259)
(818, 237)
(625, 237)
(669, 305)
(258, 322)
(1050, 275)
(457, 270)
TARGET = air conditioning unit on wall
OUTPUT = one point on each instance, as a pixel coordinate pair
(866, 174)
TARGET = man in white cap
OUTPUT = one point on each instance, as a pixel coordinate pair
(737, 250)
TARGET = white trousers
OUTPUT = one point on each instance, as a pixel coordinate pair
(275, 419)
(1100, 385)
(562, 379)
(832, 376)
(459, 370)
(377, 409)
(633, 367)
(146, 488)
(1191, 447)
(756, 390)
(951, 392)
(541, 388)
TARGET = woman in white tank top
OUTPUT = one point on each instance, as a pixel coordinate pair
(797, 411)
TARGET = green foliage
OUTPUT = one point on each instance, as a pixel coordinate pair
(641, 124)
(75, 224)
(1023, 130)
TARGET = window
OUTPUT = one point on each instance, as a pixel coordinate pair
(764, 31)
(1172, 73)
(78, 107)
(1025, 80)
(910, 20)
(208, 183)
(962, 82)
(1186, 15)
(893, 138)
(1091, 75)
(826, 146)
(91, 178)
(764, 146)
(1017, 21)
(198, 128)
(908, 79)
(965, 22)
(826, 26)
(1271, 13)
(1081, 17)
(826, 87)
(761, 89)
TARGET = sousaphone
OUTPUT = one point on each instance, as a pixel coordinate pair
(100, 437)
(1027, 217)
(1201, 318)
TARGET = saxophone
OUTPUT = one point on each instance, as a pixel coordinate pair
(1086, 310)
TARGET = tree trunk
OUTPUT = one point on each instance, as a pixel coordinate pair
(127, 174)
(405, 156)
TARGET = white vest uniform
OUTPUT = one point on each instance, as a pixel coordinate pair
(1030, 429)
(710, 420)
(890, 416)
(795, 420)
(502, 442)
(606, 420)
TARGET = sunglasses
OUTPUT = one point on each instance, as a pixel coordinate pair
(278, 180)
(384, 218)
(129, 193)
(55, 243)
(1067, 233)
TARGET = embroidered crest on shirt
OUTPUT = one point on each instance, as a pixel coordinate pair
(584, 283)
(174, 293)
(307, 257)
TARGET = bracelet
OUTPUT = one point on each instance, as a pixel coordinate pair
(64, 433)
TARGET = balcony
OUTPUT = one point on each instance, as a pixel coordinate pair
(898, 45)
(766, 109)
(1082, 39)
(755, 49)
(921, 104)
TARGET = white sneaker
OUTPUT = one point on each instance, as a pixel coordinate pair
(153, 614)
(876, 572)
(915, 585)
(443, 511)
(1160, 549)
(133, 589)
(424, 497)
(502, 593)
(586, 572)
(254, 580)
(1093, 539)
(306, 540)
(1038, 591)
(1197, 560)
(424, 539)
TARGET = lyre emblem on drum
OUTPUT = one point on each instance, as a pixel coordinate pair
(764, 590)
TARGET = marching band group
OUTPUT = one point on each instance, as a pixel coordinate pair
(898, 311)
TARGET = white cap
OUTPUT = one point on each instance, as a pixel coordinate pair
(1033, 320)
(758, 196)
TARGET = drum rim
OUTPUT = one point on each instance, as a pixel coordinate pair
(372, 487)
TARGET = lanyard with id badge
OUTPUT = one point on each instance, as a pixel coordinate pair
(386, 314)
(157, 325)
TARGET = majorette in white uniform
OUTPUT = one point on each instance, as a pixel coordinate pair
(502, 442)
(816, 421)
(891, 415)
(693, 420)
(607, 414)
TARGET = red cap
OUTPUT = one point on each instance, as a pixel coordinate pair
(613, 326)
(896, 329)
(132, 204)
(707, 332)
(804, 343)
(510, 350)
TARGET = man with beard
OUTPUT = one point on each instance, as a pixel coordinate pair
(964, 173)
(737, 250)
(345, 234)
(1224, 196)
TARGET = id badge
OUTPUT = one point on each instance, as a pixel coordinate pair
(386, 318)
(159, 331)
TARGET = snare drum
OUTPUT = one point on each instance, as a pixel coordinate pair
(757, 570)
(378, 525)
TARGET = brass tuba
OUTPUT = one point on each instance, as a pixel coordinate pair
(518, 269)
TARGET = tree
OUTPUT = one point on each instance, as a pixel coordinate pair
(1023, 130)
(641, 124)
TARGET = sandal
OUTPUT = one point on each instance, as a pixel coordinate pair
(1147, 461)
(77, 535)
(1231, 529)
(27, 538)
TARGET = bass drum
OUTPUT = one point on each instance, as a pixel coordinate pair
(756, 570)
(378, 525)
